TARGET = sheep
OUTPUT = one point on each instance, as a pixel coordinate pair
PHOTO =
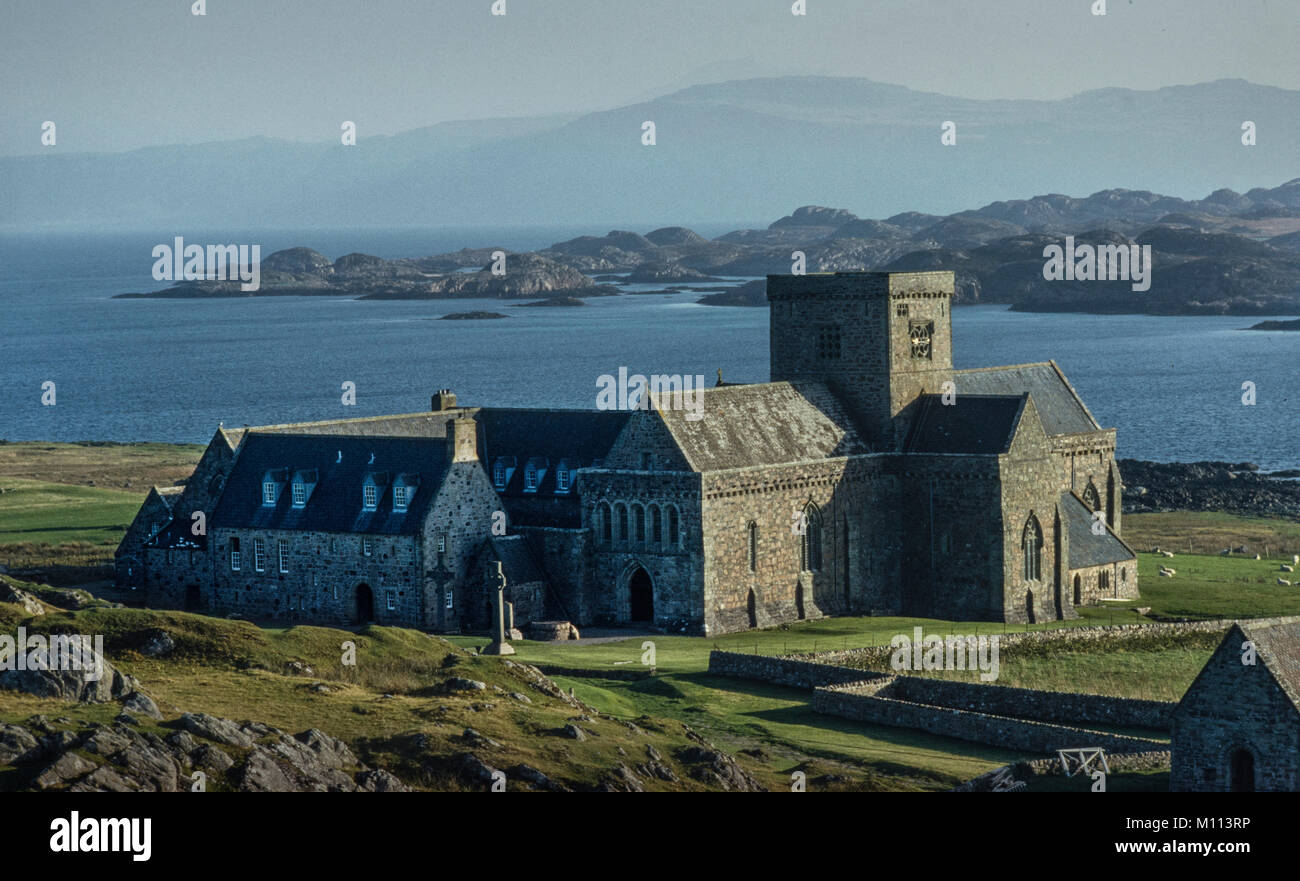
(1239, 549)
(1284, 582)
(1258, 557)
(1165, 573)
(1286, 568)
(1295, 559)
(1225, 552)
(1166, 553)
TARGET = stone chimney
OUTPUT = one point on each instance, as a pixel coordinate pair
(462, 440)
(445, 399)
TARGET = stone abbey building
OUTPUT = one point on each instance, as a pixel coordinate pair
(868, 477)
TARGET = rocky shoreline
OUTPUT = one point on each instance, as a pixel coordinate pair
(1232, 488)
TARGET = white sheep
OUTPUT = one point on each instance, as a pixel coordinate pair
(1286, 568)
(1284, 582)
(1166, 553)
(1295, 559)
(1258, 557)
(1225, 552)
(1165, 573)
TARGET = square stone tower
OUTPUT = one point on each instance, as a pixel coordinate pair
(878, 339)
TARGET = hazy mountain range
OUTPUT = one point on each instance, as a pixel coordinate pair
(740, 149)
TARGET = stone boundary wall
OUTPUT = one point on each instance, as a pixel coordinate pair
(785, 671)
(1117, 762)
(1065, 635)
(863, 703)
(1072, 708)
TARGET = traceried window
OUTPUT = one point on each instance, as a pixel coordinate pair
(1032, 545)
(828, 343)
(1091, 497)
(922, 333)
(810, 551)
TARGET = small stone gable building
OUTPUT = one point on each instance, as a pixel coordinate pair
(867, 477)
(1237, 729)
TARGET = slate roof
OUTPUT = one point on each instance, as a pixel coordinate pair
(335, 505)
(517, 562)
(1086, 548)
(764, 424)
(1059, 408)
(178, 535)
(578, 438)
(1278, 646)
(971, 424)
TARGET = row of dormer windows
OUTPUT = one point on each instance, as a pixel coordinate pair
(535, 469)
(304, 482)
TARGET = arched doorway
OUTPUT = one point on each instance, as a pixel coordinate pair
(641, 596)
(1242, 777)
(1078, 590)
(365, 604)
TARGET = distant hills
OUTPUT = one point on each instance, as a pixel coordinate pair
(1229, 253)
(744, 148)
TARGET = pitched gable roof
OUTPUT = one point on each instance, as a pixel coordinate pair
(1277, 649)
(1086, 547)
(336, 503)
(762, 424)
(1278, 646)
(1060, 408)
(971, 424)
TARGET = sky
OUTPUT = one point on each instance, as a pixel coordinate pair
(134, 73)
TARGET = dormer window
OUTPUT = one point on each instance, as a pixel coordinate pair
(303, 484)
(499, 475)
(372, 489)
(272, 482)
(563, 476)
(534, 471)
(404, 490)
(530, 479)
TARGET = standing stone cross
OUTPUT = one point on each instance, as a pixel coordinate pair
(498, 645)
